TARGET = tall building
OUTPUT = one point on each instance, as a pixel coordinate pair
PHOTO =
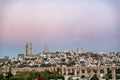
(46, 49)
(29, 49)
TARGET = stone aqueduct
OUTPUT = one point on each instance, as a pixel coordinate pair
(76, 71)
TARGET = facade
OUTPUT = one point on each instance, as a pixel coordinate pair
(80, 50)
(21, 57)
(29, 48)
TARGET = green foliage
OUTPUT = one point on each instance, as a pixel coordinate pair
(51, 75)
(1, 76)
(83, 71)
(82, 76)
(32, 75)
(95, 71)
(8, 75)
(70, 78)
(71, 73)
(77, 79)
(117, 71)
(101, 71)
(94, 77)
(109, 71)
(108, 76)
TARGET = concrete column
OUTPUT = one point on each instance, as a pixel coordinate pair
(113, 73)
(105, 70)
(91, 71)
(70, 70)
(80, 71)
(75, 71)
(98, 72)
(66, 71)
(62, 71)
(86, 74)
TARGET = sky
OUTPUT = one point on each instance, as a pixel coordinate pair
(61, 24)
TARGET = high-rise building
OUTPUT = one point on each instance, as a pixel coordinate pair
(46, 49)
(29, 49)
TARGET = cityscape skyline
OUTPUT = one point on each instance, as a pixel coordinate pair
(29, 50)
(66, 25)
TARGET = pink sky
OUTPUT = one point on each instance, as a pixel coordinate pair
(57, 21)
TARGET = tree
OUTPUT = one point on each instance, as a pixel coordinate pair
(8, 75)
(106, 77)
(70, 78)
(83, 76)
(109, 71)
(94, 77)
(117, 71)
(77, 79)
(59, 70)
(1, 76)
